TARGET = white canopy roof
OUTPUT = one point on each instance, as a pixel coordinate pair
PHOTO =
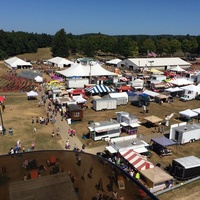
(177, 69)
(79, 99)
(14, 62)
(196, 110)
(114, 61)
(193, 88)
(151, 93)
(32, 94)
(77, 69)
(188, 113)
(181, 81)
(38, 79)
(60, 61)
(176, 89)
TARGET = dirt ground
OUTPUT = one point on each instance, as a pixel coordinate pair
(20, 120)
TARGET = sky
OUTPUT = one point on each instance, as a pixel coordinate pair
(110, 17)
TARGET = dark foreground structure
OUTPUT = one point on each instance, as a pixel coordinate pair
(65, 175)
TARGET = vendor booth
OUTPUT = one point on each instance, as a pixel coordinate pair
(188, 114)
(160, 146)
(32, 95)
(156, 179)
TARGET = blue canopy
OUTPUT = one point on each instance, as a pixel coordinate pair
(163, 141)
(99, 89)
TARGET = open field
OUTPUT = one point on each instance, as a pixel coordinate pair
(22, 111)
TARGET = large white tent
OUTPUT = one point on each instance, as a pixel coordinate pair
(59, 62)
(15, 63)
(80, 70)
(180, 82)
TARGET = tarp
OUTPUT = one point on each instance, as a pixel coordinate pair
(156, 175)
(32, 94)
(99, 89)
(188, 113)
(163, 141)
(153, 119)
(138, 161)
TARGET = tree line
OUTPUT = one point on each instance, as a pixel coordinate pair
(91, 45)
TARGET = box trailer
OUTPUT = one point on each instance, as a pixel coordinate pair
(185, 133)
(185, 168)
(77, 82)
(105, 129)
(104, 104)
(121, 97)
(74, 112)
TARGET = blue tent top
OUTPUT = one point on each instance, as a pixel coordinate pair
(163, 141)
(99, 89)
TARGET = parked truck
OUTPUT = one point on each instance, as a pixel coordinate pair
(138, 99)
(104, 104)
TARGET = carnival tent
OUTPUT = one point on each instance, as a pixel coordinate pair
(15, 63)
(138, 161)
(188, 113)
(163, 141)
(99, 89)
(176, 89)
(80, 70)
(59, 62)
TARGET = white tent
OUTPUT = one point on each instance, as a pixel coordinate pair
(113, 62)
(177, 69)
(197, 110)
(59, 62)
(188, 113)
(176, 89)
(32, 94)
(77, 69)
(38, 79)
(79, 99)
(15, 62)
(181, 81)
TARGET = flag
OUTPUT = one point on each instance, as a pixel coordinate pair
(152, 54)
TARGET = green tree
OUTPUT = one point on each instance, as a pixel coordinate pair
(175, 46)
(148, 46)
(163, 46)
(60, 46)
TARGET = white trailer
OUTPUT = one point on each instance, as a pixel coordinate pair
(104, 130)
(121, 97)
(185, 133)
(77, 82)
(104, 104)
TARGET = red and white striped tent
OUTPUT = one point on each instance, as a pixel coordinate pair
(138, 161)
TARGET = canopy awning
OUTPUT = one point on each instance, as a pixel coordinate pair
(163, 141)
(153, 119)
(111, 149)
(99, 89)
(188, 113)
(138, 161)
(132, 124)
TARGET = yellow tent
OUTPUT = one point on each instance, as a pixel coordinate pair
(155, 71)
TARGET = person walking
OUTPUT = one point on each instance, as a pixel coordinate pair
(58, 131)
